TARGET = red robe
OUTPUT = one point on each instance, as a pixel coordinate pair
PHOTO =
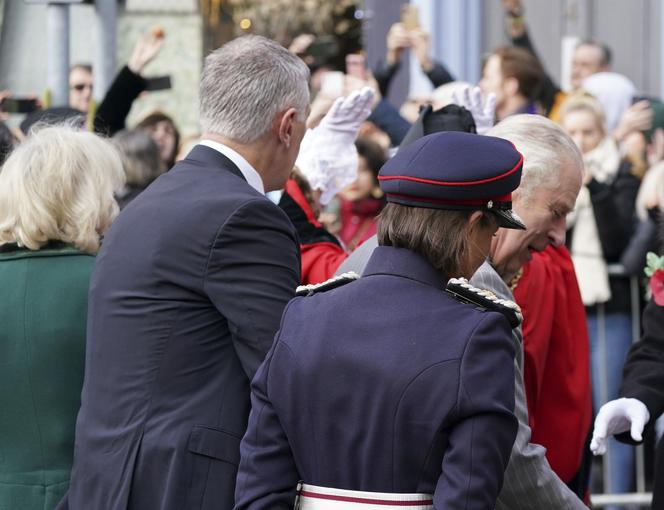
(556, 359)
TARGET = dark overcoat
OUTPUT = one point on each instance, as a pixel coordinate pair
(643, 379)
(185, 299)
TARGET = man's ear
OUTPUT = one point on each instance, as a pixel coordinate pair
(286, 126)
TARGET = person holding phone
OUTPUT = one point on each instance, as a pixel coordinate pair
(128, 84)
(400, 37)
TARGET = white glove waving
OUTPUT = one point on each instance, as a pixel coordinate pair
(483, 111)
(328, 158)
(618, 416)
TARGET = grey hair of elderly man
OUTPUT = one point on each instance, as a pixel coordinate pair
(248, 106)
(550, 182)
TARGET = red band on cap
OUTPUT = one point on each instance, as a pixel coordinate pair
(481, 202)
(448, 183)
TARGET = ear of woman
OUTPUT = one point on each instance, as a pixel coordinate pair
(480, 231)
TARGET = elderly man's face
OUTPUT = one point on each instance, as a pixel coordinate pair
(543, 213)
(586, 61)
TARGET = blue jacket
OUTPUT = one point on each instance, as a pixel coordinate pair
(185, 299)
(386, 384)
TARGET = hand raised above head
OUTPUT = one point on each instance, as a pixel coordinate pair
(482, 109)
(397, 41)
(146, 49)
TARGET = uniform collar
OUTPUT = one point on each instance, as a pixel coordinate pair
(387, 260)
(249, 172)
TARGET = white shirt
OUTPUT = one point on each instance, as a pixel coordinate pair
(249, 172)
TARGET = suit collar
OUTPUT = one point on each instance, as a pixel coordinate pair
(207, 156)
(250, 174)
(388, 260)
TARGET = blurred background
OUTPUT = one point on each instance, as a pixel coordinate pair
(462, 31)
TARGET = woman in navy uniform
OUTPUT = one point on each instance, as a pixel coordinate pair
(397, 389)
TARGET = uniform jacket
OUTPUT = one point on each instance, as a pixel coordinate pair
(529, 480)
(643, 379)
(184, 303)
(42, 350)
(386, 384)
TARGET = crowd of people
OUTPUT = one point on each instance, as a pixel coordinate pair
(325, 300)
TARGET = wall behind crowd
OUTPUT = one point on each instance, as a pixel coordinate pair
(632, 29)
(23, 55)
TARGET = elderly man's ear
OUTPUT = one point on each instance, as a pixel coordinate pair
(286, 125)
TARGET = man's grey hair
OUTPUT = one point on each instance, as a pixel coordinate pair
(547, 150)
(245, 83)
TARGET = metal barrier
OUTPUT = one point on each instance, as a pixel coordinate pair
(640, 498)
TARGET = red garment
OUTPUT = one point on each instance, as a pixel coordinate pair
(320, 257)
(556, 359)
(359, 221)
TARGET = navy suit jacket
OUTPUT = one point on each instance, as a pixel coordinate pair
(185, 299)
(386, 384)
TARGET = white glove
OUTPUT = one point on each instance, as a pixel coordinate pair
(616, 417)
(483, 111)
(328, 158)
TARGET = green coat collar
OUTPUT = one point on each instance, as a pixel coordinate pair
(14, 252)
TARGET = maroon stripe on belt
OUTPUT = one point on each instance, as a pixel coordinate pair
(366, 501)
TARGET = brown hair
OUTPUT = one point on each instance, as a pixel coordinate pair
(439, 235)
(155, 118)
(521, 65)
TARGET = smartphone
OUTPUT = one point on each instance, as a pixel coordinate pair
(333, 84)
(410, 17)
(158, 83)
(19, 105)
(356, 66)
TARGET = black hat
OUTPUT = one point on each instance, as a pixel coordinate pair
(450, 118)
(457, 171)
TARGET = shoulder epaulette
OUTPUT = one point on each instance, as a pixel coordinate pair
(332, 283)
(485, 299)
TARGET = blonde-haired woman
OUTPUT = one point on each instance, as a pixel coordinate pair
(56, 201)
(601, 226)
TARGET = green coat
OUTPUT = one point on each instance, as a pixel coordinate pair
(43, 311)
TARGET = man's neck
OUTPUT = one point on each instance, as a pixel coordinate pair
(259, 159)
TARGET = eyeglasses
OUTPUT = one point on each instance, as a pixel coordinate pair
(80, 86)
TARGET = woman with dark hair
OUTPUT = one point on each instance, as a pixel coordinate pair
(165, 134)
(141, 162)
(362, 201)
(397, 389)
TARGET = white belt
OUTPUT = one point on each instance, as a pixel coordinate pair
(312, 497)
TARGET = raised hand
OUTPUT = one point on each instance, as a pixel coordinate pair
(397, 41)
(146, 49)
(421, 46)
(483, 111)
(328, 157)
